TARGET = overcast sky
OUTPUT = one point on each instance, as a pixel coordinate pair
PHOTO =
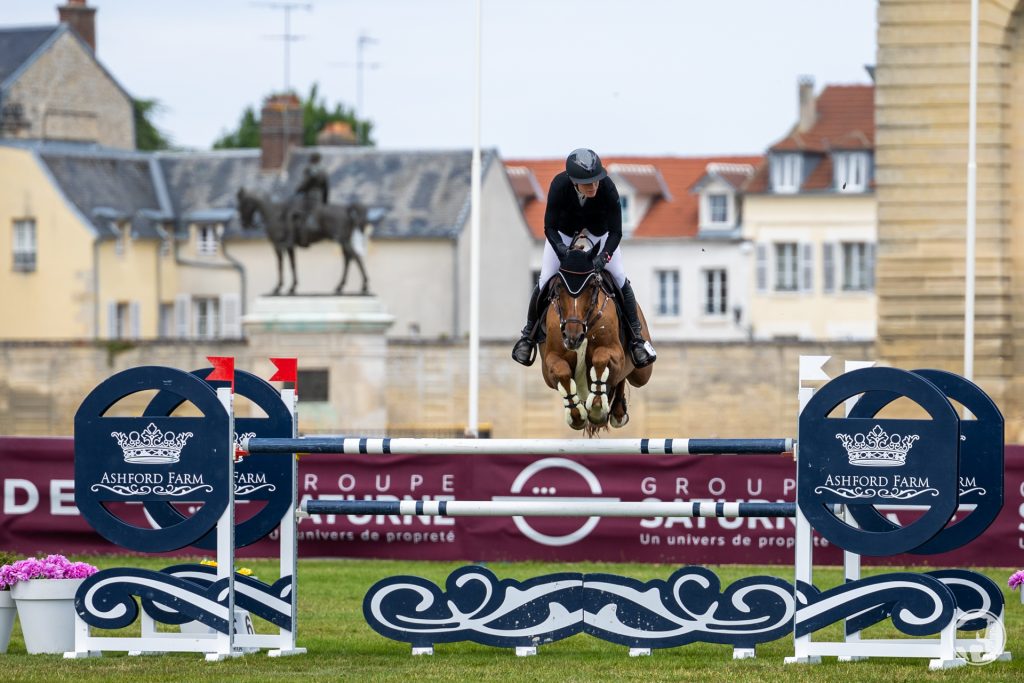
(648, 77)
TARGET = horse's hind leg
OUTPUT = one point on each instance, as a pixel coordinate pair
(362, 271)
(346, 257)
(295, 275)
(280, 274)
(619, 415)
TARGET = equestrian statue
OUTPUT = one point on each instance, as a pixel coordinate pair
(305, 219)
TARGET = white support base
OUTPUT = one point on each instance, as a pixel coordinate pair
(422, 651)
(143, 653)
(940, 664)
(221, 656)
(82, 655)
(639, 652)
(811, 659)
(530, 651)
(852, 658)
(286, 652)
(744, 653)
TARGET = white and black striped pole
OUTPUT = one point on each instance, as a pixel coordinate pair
(548, 508)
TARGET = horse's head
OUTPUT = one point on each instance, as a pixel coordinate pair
(576, 294)
(247, 207)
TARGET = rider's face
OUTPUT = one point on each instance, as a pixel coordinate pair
(588, 190)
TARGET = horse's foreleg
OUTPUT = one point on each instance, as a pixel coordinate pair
(602, 366)
(280, 276)
(558, 369)
(295, 275)
(362, 271)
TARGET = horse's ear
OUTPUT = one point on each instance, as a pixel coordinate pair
(593, 251)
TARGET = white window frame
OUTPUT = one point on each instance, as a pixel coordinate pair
(856, 266)
(712, 218)
(786, 276)
(207, 239)
(716, 292)
(786, 172)
(668, 292)
(206, 317)
(25, 249)
(851, 171)
(626, 205)
(120, 237)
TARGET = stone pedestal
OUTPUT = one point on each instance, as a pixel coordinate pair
(342, 335)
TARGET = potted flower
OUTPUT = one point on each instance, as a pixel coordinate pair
(1017, 580)
(44, 592)
(7, 608)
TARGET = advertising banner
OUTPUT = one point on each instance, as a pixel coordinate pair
(39, 513)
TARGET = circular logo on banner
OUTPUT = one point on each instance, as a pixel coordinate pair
(126, 460)
(263, 479)
(528, 486)
(879, 462)
(981, 463)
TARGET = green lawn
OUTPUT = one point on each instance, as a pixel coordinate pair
(342, 647)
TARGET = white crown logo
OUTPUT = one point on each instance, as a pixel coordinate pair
(877, 449)
(239, 440)
(151, 446)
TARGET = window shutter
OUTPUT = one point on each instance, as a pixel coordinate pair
(828, 251)
(136, 324)
(182, 303)
(230, 316)
(869, 267)
(806, 267)
(762, 267)
(111, 320)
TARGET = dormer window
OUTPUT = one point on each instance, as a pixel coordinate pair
(786, 172)
(851, 171)
(206, 240)
(627, 214)
(718, 208)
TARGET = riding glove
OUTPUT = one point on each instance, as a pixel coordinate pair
(601, 260)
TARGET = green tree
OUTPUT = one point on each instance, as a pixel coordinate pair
(315, 115)
(147, 136)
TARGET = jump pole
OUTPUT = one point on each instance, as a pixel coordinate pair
(547, 508)
(403, 446)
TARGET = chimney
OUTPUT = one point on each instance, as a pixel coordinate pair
(807, 104)
(280, 128)
(81, 19)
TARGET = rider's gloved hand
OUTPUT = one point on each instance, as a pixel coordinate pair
(561, 250)
(601, 260)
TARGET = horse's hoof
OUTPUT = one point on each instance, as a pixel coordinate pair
(573, 422)
(614, 421)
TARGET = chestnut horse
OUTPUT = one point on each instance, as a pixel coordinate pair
(583, 357)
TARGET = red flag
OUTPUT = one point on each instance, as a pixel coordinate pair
(287, 369)
(223, 370)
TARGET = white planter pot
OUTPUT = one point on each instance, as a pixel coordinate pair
(7, 613)
(46, 610)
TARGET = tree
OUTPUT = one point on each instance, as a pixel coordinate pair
(315, 115)
(147, 136)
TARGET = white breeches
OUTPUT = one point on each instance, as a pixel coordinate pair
(549, 261)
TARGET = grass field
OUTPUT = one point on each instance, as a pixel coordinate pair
(342, 647)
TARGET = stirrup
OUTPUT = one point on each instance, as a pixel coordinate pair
(532, 352)
(642, 353)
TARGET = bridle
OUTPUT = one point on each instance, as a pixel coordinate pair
(590, 315)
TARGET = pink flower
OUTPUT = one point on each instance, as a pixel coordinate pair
(1016, 579)
(51, 567)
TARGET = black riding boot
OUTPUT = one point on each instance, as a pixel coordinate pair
(525, 350)
(641, 350)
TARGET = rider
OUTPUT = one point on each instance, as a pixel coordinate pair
(313, 192)
(584, 199)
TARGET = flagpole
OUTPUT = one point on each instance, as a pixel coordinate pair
(472, 422)
(972, 188)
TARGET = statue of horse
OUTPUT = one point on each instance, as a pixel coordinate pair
(282, 220)
(583, 356)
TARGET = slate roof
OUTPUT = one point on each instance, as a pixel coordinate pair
(18, 45)
(674, 215)
(412, 194)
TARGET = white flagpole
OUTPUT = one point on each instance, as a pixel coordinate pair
(972, 188)
(474, 256)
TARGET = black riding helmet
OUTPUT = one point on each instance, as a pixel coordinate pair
(584, 166)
